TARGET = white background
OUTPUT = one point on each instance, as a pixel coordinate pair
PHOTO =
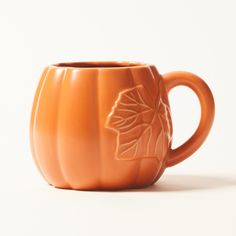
(196, 197)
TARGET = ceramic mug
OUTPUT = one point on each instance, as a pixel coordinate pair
(107, 125)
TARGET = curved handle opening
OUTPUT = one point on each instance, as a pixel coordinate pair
(206, 100)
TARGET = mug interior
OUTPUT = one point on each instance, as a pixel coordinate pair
(102, 64)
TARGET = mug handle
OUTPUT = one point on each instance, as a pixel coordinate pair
(206, 99)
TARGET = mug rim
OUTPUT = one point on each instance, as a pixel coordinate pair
(87, 65)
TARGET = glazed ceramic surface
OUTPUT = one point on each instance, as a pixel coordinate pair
(107, 125)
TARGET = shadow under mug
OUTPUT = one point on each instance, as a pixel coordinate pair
(107, 125)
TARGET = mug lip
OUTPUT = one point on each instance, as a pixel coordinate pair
(88, 65)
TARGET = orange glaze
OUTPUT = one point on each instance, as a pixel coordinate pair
(107, 125)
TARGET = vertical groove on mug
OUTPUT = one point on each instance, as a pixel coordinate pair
(46, 135)
(62, 80)
(78, 142)
(34, 121)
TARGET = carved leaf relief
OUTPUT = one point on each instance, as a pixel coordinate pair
(141, 123)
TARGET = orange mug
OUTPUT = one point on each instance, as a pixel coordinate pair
(107, 125)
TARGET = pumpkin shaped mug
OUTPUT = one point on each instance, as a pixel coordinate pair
(107, 125)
